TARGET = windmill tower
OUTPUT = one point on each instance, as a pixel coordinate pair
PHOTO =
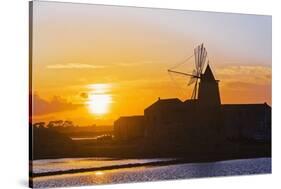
(207, 117)
(206, 88)
(208, 93)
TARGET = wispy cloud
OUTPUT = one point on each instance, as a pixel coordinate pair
(240, 85)
(250, 74)
(74, 66)
(245, 84)
(245, 70)
(138, 63)
(90, 66)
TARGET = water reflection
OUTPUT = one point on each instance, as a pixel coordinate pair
(179, 171)
(98, 173)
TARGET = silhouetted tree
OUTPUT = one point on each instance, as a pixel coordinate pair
(67, 124)
(39, 125)
(56, 123)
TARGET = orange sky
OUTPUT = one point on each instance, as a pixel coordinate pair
(120, 55)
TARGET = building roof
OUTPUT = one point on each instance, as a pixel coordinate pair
(191, 101)
(170, 102)
(134, 117)
(243, 106)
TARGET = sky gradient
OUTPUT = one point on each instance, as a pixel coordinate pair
(84, 53)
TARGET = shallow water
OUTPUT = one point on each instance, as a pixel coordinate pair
(139, 174)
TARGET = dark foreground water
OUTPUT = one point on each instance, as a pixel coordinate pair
(145, 173)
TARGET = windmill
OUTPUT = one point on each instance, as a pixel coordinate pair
(200, 55)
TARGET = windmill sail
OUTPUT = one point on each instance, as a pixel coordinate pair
(192, 79)
(203, 60)
(196, 58)
(200, 55)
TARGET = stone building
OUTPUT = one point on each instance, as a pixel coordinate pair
(129, 128)
(247, 121)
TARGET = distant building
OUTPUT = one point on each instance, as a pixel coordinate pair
(129, 128)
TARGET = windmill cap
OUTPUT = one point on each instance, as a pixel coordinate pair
(208, 74)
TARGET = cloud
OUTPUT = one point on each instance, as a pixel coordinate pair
(243, 92)
(138, 63)
(244, 70)
(90, 66)
(245, 83)
(247, 74)
(56, 104)
(74, 66)
(84, 95)
(242, 85)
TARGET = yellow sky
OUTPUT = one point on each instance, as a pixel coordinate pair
(120, 56)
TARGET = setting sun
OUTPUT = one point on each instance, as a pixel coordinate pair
(99, 99)
(99, 103)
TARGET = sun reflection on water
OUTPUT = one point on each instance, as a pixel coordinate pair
(98, 173)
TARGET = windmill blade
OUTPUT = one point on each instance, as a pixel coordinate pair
(199, 58)
(195, 89)
(194, 92)
(203, 58)
(194, 72)
(191, 81)
(201, 49)
(196, 58)
(203, 61)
